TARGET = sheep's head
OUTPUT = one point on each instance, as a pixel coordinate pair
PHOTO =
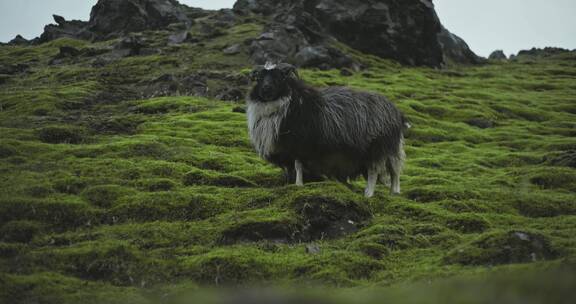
(272, 81)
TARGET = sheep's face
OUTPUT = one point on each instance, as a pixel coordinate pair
(272, 82)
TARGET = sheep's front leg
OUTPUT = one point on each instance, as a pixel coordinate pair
(371, 182)
(299, 174)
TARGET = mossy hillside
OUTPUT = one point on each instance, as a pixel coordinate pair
(108, 193)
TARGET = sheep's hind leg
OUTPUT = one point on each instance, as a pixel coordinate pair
(371, 182)
(383, 176)
(299, 173)
(394, 165)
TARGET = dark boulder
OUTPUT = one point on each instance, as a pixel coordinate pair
(224, 17)
(231, 94)
(132, 45)
(256, 6)
(405, 30)
(59, 19)
(181, 37)
(75, 29)
(323, 57)
(110, 18)
(211, 30)
(170, 85)
(456, 50)
(312, 56)
(497, 55)
(276, 43)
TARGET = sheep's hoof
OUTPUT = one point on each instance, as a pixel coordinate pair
(368, 194)
(300, 184)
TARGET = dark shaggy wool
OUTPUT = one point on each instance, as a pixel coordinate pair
(335, 132)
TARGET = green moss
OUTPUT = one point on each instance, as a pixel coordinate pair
(204, 177)
(10, 250)
(339, 268)
(230, 267)
(39, 191)
(545, 205)
(105, 196)
(155, 150)
(20, 231)
(555, 178)
(504, 247)
(117, 263)
(157, 184)
(433, 193)
(53, 288)
(166, 206)
(59, 214)
(390, 237)
(62, 135)
(263, 224)
(7, 151)
(468, 223)
(70, 185)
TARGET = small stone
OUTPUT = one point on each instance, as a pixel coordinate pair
(522, 236)
(233, 49)
(178, 38)
(346, 72)
(266, 36)
(312, 249)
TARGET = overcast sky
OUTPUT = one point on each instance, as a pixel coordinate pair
(486, 25)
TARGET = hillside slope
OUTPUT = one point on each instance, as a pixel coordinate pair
(118, 183)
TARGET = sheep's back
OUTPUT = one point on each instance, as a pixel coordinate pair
(364, 120)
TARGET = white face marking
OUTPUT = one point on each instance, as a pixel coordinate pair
(269, 66)
(264, 121)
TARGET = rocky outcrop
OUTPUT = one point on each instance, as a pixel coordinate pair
(19, 40)
(497, 55)
(456, 50)
(65, 29)
(281, 42)
(401, 30)
(114, 17)
(408, 31)
(545, 52)
(308, 33)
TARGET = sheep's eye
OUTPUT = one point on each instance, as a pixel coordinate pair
(256, 75)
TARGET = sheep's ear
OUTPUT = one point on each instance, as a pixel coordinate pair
(255, 74)
(289, 71)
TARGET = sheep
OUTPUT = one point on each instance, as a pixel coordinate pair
(335, 132)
